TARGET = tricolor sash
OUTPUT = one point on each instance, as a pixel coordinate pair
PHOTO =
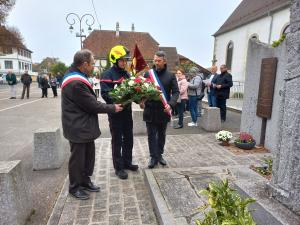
(68, 78)
(163, 95)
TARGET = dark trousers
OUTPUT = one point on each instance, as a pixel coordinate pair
(221, 103)
(81, 164)
(180, 110)
(44, 92)
(26, 87)
(121, 126)
(54, 90)
(156, 138)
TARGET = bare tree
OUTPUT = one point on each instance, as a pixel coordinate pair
(16, 33)
(5, 7)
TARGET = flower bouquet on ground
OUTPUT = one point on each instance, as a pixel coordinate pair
(224, 136)
(245, 141)
(135, 89)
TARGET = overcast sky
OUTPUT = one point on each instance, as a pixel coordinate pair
(187, 25)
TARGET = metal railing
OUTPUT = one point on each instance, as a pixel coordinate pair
(237, 90)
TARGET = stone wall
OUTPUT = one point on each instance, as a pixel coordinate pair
(285, 184)
(251, 123)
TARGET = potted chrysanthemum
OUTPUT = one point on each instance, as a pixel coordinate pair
(245, 141)
(224, 136)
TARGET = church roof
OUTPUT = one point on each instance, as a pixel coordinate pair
(251, 10)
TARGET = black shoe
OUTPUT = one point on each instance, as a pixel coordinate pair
(90, 187)
(152, 163)
(122, 174)
(178, 127)
(79, 194)
(162, 161)
(131, 167)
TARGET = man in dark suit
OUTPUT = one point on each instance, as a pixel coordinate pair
(80, 110)
(223, 85)
(156, 115)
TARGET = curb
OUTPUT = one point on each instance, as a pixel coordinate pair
(59, 205)
(163, 215)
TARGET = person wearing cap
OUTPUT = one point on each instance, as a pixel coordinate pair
(80, 123)
(121, 124)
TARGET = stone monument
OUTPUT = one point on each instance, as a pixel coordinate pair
(285, 184)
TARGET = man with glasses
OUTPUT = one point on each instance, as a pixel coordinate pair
(121, 124)
(80, 110)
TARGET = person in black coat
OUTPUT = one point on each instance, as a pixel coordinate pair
(121, 124)
(26, 81)
(44, 86)
(80, 124)
(156, 114)
(223, 83)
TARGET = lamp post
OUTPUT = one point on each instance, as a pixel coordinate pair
(71, 20)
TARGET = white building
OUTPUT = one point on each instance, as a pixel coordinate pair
(265, 20)
(13, 54)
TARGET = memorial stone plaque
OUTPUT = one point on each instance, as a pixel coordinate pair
(266, 87)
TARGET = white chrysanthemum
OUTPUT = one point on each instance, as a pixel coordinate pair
(132, 78)
(146, 85)
(131, 83)
(115, 86)
(223, 135)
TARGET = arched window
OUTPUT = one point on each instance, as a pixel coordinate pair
(286, 29)
(229, 54)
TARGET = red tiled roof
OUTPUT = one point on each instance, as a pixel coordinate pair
(101, 41)
(8, 39)
(172, 57)
(251, 10)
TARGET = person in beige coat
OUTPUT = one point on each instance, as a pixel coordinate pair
(183, 96)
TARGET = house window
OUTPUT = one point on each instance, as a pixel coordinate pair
(8, 64)
(19, 65)
(229, 54)
(22, 65)
(7, 50)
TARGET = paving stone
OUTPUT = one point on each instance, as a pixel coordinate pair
(81, 222)
(115, 209)
(116, 220)
(84, 212)
(99, 216)
(131, 214)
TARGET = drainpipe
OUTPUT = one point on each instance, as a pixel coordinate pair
(271, 27)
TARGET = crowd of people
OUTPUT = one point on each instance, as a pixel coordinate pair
(80, 107)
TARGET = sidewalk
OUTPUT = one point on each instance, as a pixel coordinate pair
(128, 202)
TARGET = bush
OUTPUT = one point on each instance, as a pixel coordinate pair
(238, 95)
(226, 206)
(278, 42)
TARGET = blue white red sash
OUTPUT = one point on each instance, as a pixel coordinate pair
(163, 95)
(68, 78)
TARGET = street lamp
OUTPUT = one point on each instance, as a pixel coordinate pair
(70, 18)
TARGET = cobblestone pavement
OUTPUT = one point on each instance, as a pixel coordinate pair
(127, 202)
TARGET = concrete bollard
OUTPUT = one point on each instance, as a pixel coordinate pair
(211, 120)
(139, 126)
(48, 152)
(15, 205)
